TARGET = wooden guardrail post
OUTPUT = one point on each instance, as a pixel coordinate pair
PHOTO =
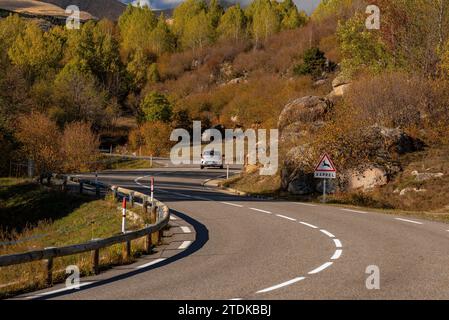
(97, 190)
(48, 267)
(148, 244)
(145, 204)
(131, 199)
(127, 253)
(114, 192)
(96, 261)
(81, 187)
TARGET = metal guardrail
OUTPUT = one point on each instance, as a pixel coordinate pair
(160, 214)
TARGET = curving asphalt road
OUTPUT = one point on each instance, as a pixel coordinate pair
(246, 248)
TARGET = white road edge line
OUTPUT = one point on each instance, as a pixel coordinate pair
(260, 210)
(185, 245)
(43, 294)
(337, 243)
(173, 218)
(337, 254)
(150, 263)
(186, 229)
(285, 217)
(327, 233)
(278, 286)
(232, 204)
(321, 268)
(305, 204)
(411, 221)
(308, 225)
(356, 211)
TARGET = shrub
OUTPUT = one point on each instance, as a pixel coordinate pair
(79, 147)
(314, 63)
(156, 107)
(152, 137)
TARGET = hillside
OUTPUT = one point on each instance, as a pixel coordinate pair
(37, 8)
(110, 9)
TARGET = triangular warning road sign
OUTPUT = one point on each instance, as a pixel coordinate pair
(325, 164)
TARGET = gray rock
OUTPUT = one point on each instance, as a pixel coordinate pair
(426, 175)
(306, 110)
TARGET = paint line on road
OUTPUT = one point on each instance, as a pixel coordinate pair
(185, 245)
(185, 229)
(327, 233)
(406, 220)
(355, 211)
(285, 217)
(236, 299)
(337, 254)
(232, 204)
(321, 268)
(260, 210)
(173, 218)
(150, 263)
(338, 243)
(305, 204)
(308, 225)
(281, 285)
(48, 293)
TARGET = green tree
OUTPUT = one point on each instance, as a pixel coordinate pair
(156, 107)
(10, 28)
(197, 32)
(35, 52)
(136, 25)
(233, 24)
(362, 48)
(314, 63)
(184, 12)
(77, 97)
(265, 19)
(163, 40)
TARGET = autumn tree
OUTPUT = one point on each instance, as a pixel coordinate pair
(265, 19)
(40, 140)
(35, 51)
(156, 107)
(232, 24)
(79, 147)
(77, 97)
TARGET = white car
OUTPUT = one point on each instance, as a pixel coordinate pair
(211, 159)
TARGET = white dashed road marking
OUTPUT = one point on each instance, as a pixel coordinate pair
(284, 284)
(337, 254)
(327, 233)
(285, 217)
(321, 268)
(260, 210)
(232, 204)
(185, 245)
(186, 229)
(337, 243)
(411, 221)
(356, 211)
(308, 225)
(150, 263)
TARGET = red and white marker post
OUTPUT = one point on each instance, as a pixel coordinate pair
(152, 190)
(124, 215)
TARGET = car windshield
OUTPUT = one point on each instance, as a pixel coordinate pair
(211, 153)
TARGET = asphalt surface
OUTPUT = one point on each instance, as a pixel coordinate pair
(245, 248)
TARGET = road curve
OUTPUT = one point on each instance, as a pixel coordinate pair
(246, 248)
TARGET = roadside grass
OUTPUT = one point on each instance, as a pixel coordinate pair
(255, 184)
(430, 202)
(116, 163)
(89, 219)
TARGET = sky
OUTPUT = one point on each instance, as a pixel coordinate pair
(307, 5)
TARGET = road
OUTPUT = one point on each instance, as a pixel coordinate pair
(247, 248)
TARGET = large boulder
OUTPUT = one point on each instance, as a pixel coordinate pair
(340, 85)
(381, 147)
(304, 110)
(365, 179)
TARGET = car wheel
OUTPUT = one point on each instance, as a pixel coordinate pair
(202, 167)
